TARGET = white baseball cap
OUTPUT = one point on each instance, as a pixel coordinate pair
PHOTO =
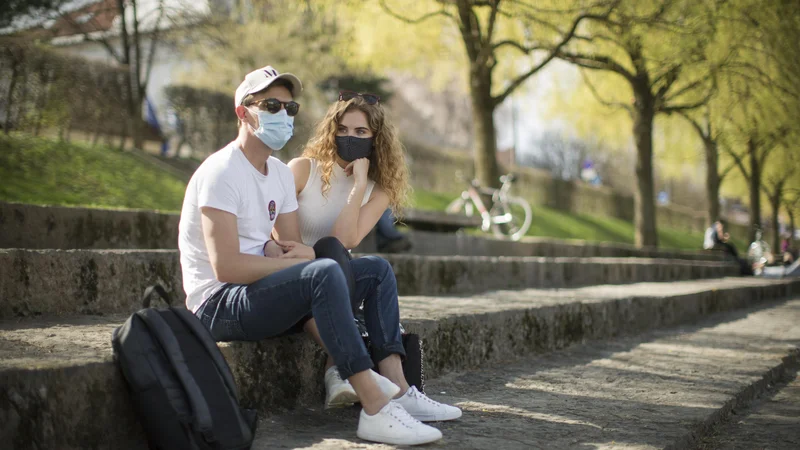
(258, 80)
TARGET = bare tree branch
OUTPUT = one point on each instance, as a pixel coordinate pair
(155, 38)
(690, 86)
(597, 62)
(422, 18)
(492, 20)
(688, 106)
(726, 171)
(552, 55)
(517, 45)
(737, 160)
(99, 37)
(597, 96)
(694, 123)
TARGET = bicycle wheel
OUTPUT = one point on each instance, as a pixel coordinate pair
(456, 206)
(511, 218)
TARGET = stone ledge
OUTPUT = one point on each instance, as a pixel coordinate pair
(34, 226)
(58, 227)
(48, 282)
(81, 402)
(430, 243)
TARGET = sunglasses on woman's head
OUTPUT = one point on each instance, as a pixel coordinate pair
(273, 106)
(370, 99)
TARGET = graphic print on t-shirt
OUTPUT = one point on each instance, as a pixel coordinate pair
(272, 210)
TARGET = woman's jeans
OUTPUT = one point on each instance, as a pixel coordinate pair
(277, 303)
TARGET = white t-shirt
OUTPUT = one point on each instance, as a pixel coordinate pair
(227, 181)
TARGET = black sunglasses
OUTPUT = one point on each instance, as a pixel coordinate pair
(370, 99)
(273, 105)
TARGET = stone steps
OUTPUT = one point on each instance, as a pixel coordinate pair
(52, 282)
(431, 243)
(60, 389)
(45, 227)
(664, 389)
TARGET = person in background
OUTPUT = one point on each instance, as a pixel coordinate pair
(721, 240)
(389, 239)
(786, 250)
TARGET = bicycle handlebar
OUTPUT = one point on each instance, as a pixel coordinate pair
(507, 178)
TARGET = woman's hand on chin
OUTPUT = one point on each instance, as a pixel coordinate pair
(358, 168)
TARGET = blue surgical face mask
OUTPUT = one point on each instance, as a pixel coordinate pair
(274, 130)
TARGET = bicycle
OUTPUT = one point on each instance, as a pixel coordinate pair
(509, 216)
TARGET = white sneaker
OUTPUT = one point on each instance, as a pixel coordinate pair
(424, 409)
(338, 392)
(386, 386)
(393, 425)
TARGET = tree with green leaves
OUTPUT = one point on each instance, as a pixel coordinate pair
(777, 185)
(637, 44)
(761, 85)
(494, 32)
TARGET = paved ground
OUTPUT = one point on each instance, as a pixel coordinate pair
(771, 423)
(650, 391)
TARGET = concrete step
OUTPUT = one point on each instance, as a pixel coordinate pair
(771, 422)
(44, 227)
(47, 282)
(35, 226)
(60, 389)
(431, 243)
(664, 389)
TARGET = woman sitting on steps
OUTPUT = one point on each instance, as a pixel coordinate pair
(350, 172)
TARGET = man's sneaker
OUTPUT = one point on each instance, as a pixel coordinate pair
(424, 409)
(393, 425)
(338, 392)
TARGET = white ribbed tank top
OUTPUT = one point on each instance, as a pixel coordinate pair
(318, 213)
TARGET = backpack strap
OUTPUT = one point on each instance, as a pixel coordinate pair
(158, 289)
(208, 343)
(163, 333)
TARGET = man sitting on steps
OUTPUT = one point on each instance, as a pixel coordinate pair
(232, 203)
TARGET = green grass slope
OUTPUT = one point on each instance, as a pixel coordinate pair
(45, 171)
(552, 223)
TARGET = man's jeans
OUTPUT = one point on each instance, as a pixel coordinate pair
(274, 304)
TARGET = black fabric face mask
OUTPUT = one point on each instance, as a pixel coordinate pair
(351, 148)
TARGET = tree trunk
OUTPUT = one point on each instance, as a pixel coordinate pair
(10, 95)
(644, 196)
(775, 202)
(712, 180)
(485, 156)
(137, 87)
(755, 190)
(791, 225)
(134, 103)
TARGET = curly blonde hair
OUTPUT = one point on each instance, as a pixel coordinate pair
(387, 163)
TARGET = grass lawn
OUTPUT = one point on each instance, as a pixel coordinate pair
(45, 171)
(552, 223)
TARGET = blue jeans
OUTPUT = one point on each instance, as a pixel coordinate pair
(277, 303)
(386, 229)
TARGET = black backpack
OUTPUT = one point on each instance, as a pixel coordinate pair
(181, 387)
